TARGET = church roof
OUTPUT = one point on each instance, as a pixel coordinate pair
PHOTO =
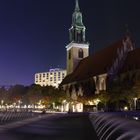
(132, 61)
(100, 61)
(95, 64)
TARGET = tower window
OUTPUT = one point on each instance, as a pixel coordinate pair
(69, 54)
(80, 53)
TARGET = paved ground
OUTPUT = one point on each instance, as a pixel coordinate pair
(55, 127)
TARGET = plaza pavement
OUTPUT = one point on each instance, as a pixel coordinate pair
(75, 126)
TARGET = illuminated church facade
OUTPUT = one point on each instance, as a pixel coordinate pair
(90, 74)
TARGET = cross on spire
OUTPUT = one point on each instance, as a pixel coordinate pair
(127, 31)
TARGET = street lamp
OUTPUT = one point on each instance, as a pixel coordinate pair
(53, 105)
(14, 106)
(2, 101)
(19, 101)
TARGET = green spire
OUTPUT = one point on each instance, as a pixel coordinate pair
(77, 6)
(77, 31)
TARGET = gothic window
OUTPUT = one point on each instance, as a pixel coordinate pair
(69, 54)
(80, 53)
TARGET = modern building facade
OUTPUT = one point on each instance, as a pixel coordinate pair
(52, 78)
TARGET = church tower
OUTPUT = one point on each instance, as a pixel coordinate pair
(78, 48)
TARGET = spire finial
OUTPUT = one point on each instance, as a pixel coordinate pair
(127, 31)
(77, 6)
(126, 28)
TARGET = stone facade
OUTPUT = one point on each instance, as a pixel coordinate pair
(75, 53)
(78, 48)
(90, 75)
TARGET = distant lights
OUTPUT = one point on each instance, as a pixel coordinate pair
(90, 103)
(125, 108)
(136, 118)
(96, 101)
(64, 101)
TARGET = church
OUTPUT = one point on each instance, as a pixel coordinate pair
(91, 74)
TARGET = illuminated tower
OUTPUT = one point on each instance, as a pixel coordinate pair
(78, 48)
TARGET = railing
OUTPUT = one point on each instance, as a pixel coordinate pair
(108, 126)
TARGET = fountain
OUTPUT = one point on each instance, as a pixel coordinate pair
(109, 126)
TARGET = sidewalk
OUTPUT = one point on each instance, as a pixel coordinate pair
(55, 127)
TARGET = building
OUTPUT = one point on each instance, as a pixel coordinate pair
(52, 78)
(78, 48)
(89, 75)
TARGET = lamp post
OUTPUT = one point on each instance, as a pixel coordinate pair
(135, 103)
(14, 107)
(19, 101)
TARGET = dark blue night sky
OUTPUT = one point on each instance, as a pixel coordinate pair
(34, 33)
